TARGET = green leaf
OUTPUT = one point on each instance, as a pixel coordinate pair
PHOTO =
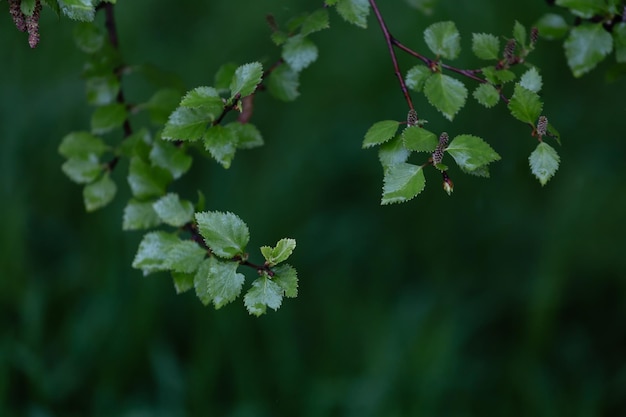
(287, 278)
(264, 293)
(185, 256)
(402, 182)
(299, 52)
(619, 36)
(171, 158)
(162, 104)
(206, 98)
(108, 117)
(525, 105)
(316, 21)
(487, 95)
(498, 76)
(99, 193)
(182, 282)
(380, 132)
(248, 136)
(424, 6)
(218, 282)
(225, 233)
(81, 145)
(393, 152)
(283, 250)
(283, 83)
(417, 76)
(443, 39)
(139, 215)
(519, 33)
(84, 10)
(354, 11)
(28, 7)
(88, 37)
(485, 46)
(584, 8)
(221, 142)
(147, 181)
(82, 170)
(172, 211)
(552, 26)
(152, 252)
(419, 139)
(471, 152)
(224, 76)
(531, 80)
(138, 144)
(187, 124)
(586, 46)
(54, 5)
(245, 80)
(544, 162)
(102, 90)
(446, 94)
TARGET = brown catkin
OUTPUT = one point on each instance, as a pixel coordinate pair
(411, 118)
(441, 147)
(534, 35)
(542, 126)
(509, 50)
(16, 13)
(32, 25)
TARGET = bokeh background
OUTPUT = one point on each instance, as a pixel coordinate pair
(505, 299)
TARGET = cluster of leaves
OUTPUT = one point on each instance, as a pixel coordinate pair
(598, 28)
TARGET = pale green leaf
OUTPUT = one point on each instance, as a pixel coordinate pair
(485, 46)
(446, 94)
(28, 7)
(188, 124)
(402, 182)
(487, 95)
(171, 158)
(354, 11)
(531, 80)
(299, 52)
(139, 215)
(586, 46)
(152, 252)
(393, 152)
(248, 136)
(471, 152)
(245, 80)
(225, 233)
(417, 76)
(172, 211)
(88, 37)
(264, 293)
(525, 105)
(519, 33)
(417, 138)
(544, 162)
(380, 132)
(99, 193)
(221, 142)
(498, 76)
(147, 181)
(182, 282)
(184, 256)
(81, 145)
(205, 97)
(552, 26)
(286, 277)
(82, 170)
(316, 21)
(102, 90)
(218, 282)
(84, 10)
(283, 83)
(108, 117)
(283, 250)
(443, 39)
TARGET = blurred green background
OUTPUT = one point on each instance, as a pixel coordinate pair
(505, 299)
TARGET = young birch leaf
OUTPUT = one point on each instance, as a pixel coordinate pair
(586, 46)
(417, 76)
(531, 80)
(218, 281)
(316, 21)
(139, 215)
(264, 293)
(583, 8)
(402, 182)
(287, 278)
(147, 181)
(161, 104)
(354, 11)
(471, 152)
(443, 39)
(221, 142)
(544, 162)
(245, 80)
(619, 36)
(82, 170)
(83, 10)
(171, 158)
(380, 132)
(172, 211)
(424, 6)
(519, 33)
(88, 37)
(99, 193)
(487, 95)
(552, 26)
(283, 83)
(187, 124)
(184, 256)
(299, 52)
(248, 136)
(102, 90)
(225, 233)
(283, 250)
(393, 152)
(153, 248)
(525, 105)
(223, 76)
(419, 139)
(81, 144)
(108, 117)
(182, 282)
(485, 46)
(446, 94)
(206, 98)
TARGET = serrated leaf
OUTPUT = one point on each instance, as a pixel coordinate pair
(248, 136)
(283, 83)
(519, 33)
(584, 8)
(221, 142)
(354, 11)
(481, 171)
(205, 97)
(471, 152)
(99, 193)
(393, 152)
(402, 182)
(171, 158)
(487, 95)
(151, 254)
(498, 76)
(619, 37)
(102, 90)
(380, 132)
(88, 37)
(182, 282)
(81, 145)
(299, 52)
(172, 211)
(224, 76)
(552, 26)
(84, 10)
(586, 46)
(525, 105)
(245, 80)
(443, 39)
(531, 80)
(446, 94)
(218, 282)
(419, 139)
(544, 162)
(184, 256)
(316, 21)
(485, 46)
(187, 124)
(283, 250)
(225, 233)
(264, 293)
(82, 170)
(286, 277)
(417, 76)
(108, 117)
(139, 215)
(147, 181)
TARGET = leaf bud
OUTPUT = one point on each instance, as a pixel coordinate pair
(448, 185)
